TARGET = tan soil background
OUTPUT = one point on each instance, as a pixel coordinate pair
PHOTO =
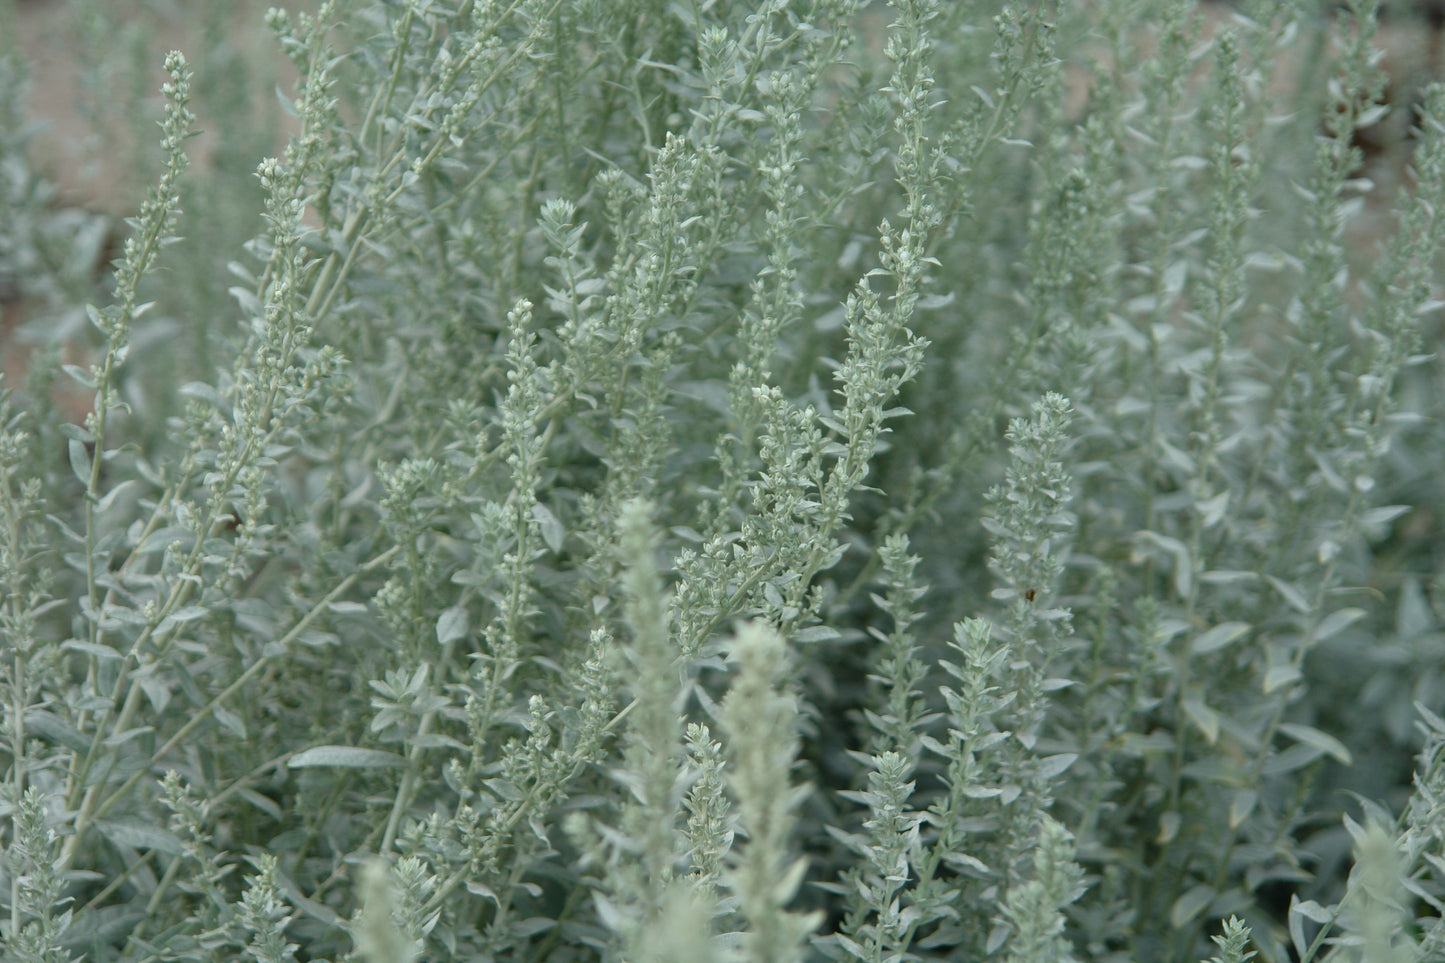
(136, 34)
(95, 67)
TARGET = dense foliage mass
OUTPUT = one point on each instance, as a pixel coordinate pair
(741, 479)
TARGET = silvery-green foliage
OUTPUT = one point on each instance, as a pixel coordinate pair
(741, 480)
(1035, 908)
(1233, 943)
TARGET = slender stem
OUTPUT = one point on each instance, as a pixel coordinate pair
(93, 811)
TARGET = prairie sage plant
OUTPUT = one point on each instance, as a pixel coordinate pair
(744, 480)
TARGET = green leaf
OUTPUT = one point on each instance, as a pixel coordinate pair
(109, 498)
(345, 757)
(1336, 622)
(532, 926)
(1382, 515)
(101, 926)
(264, 803)
(80, 461)
(1294, 758)
(81, 376)
(230, 721)
(453, 624)
(159, 539)
(1241, 805)
(77, 433)
(1218, 637)
(102, 652)
(817, 633)
(1292, 594)
(1190, 905)
(1306, 910)
(552, 531)
(1050, 767)
(1280, 675)
(204, 392)
(1182, 560)
(1205, 719)
(1213, 510)
(1412, 613)
(138, 835)
(1322, 741)
(47, 725)
(189, 613)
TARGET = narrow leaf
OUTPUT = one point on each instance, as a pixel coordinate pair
(1203, 717)
(1322, 741)
(1292, 594)
(81, 376)
(80, 461)
(1280, 675)
(1190, 905)
(1218, 637)
(345, 757)
(1241, 806)
(48, 725)
(1336, 622)
(230, 721)
(137, 835)
(552, 531)
(1051, 767)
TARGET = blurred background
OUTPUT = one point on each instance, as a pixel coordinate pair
(79, 106)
